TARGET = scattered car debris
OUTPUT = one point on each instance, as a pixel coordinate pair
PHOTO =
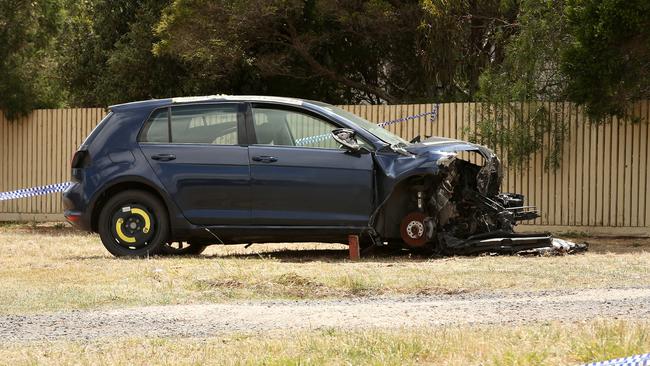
(558, 247)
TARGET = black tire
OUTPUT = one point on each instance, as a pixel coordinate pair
(186, 249)
(133, 224)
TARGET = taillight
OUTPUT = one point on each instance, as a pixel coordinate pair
(80, 160)
(72, 217)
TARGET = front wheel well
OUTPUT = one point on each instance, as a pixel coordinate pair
(117, 188)
(401, 201)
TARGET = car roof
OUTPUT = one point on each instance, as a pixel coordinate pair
(155, 103)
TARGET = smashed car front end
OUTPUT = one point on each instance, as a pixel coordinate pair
(446, 197)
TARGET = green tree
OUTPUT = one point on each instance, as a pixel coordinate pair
(607, 65)
(462, 39)
(530, 72)
(595, 53)
(315, 49)
(340, 51)
(27, 28)
(106, 54)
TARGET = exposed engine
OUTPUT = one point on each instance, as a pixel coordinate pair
(464, 212)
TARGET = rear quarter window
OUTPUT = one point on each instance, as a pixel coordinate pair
(156, 130)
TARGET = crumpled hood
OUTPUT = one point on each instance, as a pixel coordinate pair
(426, 160)
(489, 177)
(426, 155)
(443, 144)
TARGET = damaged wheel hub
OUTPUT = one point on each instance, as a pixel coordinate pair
(413, 229)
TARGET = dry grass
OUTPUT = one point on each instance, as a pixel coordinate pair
(55, 268)
(546, 344)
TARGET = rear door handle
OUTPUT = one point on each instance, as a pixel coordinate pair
(265, 159)
(164, 157)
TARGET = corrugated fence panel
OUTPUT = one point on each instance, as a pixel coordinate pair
(36, 151)
(602, 180)
(641, 166)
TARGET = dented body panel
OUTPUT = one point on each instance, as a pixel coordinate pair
(458, 206)
(424, 159)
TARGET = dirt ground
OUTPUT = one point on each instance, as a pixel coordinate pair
(210, 320)
(62, 285)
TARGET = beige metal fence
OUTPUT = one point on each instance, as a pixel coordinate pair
(601, 183)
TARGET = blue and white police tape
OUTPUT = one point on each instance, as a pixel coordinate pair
(638, 360)
(34, 191)
(312, 139)
(319, 138)
(433, 113)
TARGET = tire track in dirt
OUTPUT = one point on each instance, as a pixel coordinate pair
(216, 319)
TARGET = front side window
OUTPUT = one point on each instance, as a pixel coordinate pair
(380, 132)
(204, 124)
(291, 128)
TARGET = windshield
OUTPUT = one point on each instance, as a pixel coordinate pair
(382, 133)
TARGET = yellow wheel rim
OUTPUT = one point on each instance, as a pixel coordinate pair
(145, 217)
(120, 233)
(119, 223)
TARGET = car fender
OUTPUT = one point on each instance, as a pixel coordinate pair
(176, 217)
(394, 169)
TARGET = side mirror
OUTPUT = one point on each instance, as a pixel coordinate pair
(347, 138)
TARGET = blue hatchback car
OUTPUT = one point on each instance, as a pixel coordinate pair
(174, 175)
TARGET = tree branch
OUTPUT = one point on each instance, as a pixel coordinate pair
(317, 67)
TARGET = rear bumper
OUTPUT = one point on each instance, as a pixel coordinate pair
(76, 209)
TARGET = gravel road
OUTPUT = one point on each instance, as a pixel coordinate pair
(217, 319)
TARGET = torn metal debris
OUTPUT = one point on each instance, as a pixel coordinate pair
(456, 207)
(558, 246)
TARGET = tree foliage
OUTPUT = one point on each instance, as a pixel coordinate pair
(316, 49)
(106, 54)
(592, 52)
(530, 71)
(607, 65)
(25, 65)
(462, 40)
(340, 51)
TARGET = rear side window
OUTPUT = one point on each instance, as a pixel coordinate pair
(193, 124)
(205, 124)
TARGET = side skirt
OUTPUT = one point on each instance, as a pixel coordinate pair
(275, 234)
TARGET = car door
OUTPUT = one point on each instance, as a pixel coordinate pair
(301, 176)
(197, 153)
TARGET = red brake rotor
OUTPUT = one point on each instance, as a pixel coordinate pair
(413, 229)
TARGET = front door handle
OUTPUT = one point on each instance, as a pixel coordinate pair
(164, 157)
(265, 159)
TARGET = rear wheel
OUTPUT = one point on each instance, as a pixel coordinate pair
(133, 223)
